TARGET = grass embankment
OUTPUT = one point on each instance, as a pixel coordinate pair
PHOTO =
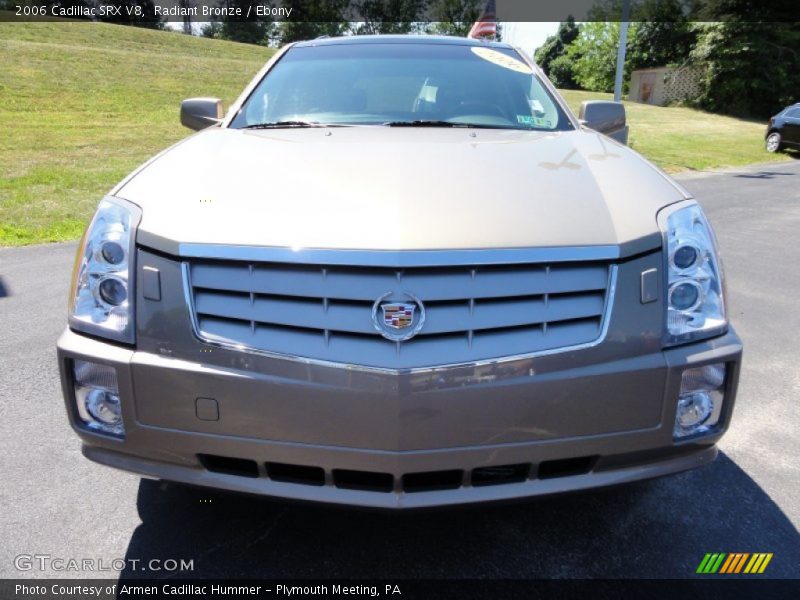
(82, 104)
(678, 138)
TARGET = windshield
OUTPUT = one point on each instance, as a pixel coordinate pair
(402, 84)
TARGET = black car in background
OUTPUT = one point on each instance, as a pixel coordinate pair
(784, 129)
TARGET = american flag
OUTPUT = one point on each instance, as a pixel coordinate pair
(486, 24)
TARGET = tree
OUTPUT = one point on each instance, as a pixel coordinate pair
(187, 19)
(212, 29)
(389, 16)
(664, 35)
(454, 17)
(660, 34)
(561, 72)
(295, 31)
(554, 52)
(661, 43)
(594, 55)
(752, 69)
(252, 31)
(320, 17)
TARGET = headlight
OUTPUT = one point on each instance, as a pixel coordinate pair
(101, 298)
(695, 303)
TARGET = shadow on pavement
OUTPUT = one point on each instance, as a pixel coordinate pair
(4, 291)
(655, 529)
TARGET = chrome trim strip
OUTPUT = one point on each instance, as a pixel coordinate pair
(399, 258)
(189, 297)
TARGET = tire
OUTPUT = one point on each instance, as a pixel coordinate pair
(773, 142)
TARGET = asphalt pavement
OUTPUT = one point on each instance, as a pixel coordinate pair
(56, 503)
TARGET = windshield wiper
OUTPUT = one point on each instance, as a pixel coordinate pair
(425, 123)
(281, 124)
(434, 123)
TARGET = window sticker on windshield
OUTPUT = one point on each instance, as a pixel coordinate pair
(534, 121)
(502, 60)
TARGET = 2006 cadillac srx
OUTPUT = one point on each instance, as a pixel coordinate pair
(399, 272)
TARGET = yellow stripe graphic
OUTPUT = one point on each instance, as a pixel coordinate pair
(765, 563)
(760, 558)
(753, 562)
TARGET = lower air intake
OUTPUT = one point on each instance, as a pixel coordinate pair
(500, 474)
(363, 480)
(295, 474)
(566, 467)
(228, 465)
(432, 481)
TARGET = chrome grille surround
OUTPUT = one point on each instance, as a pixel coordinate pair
(477, 313)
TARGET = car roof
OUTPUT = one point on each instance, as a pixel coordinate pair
(400, 39)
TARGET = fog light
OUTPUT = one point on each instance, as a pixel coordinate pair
(104, 407)
(700, 400)
(693, 409)
(97, 397)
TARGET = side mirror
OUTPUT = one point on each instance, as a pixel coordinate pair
(605, 117)
(199, 113)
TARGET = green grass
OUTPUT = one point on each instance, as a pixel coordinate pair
(82, 104)
(678, 138)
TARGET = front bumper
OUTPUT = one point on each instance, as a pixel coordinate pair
(563, 424)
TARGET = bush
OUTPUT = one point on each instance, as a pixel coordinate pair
(752, 69)
(556, 45)
(594, 55)
(561, 73)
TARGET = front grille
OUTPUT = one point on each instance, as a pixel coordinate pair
(326, 312)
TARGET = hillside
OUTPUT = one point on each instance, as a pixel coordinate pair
(85, 103)
(677, 138)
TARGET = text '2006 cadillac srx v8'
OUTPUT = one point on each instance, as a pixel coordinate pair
(399, 272)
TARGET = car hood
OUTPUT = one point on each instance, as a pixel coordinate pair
(398, 189)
